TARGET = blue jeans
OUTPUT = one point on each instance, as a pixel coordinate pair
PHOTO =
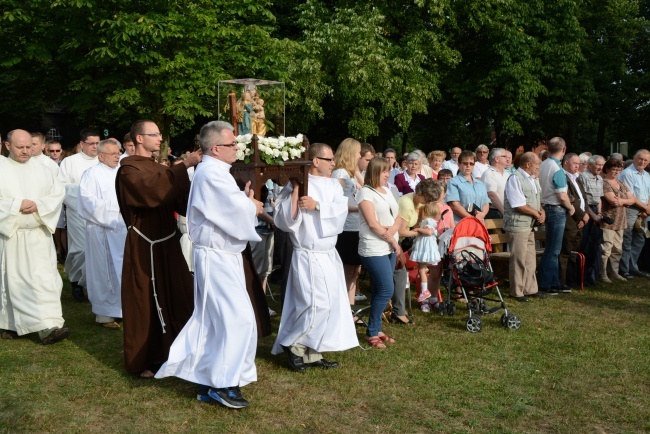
(548, 268)
(381, 278)
(633, 242)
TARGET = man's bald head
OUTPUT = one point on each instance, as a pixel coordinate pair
(528, 157)
(20, 145)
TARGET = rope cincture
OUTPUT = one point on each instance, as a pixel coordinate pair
(153, 274)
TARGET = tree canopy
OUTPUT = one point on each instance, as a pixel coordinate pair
(419, 73)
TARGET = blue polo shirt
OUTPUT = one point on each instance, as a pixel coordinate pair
(459, 189)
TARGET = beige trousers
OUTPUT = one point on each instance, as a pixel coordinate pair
(308, 355)
(612, 249)
(523, 264)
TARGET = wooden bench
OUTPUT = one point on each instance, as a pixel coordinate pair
(499, 258)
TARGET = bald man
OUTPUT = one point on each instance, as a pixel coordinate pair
(30, 203)
(522, 210)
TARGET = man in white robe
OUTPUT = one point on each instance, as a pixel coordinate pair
(70, 173)
(105, 235)
(216, 348)
(316, 315)
(38, 143)
(30, 285)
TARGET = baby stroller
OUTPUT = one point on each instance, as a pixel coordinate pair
(470, 274)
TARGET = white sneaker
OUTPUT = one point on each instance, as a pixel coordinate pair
(360, 297)
(425, 308)
(272, 312)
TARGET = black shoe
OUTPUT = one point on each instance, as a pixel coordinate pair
(229, 397)
(398, 320)
(628, 276)
(295, 362)
(539, 295)
(521, 299)
(78, 292)
(640, 274)
(322, 363)
(56, 336)
(565, 289)
(548, 291)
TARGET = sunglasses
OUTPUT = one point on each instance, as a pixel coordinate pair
(467, 163)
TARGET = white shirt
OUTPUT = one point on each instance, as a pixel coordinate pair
(386, 211)
(479, 169)
(574, 178)
(515, 193)
(495, 182)
(393, 173)
(350, 191)
(451, 165)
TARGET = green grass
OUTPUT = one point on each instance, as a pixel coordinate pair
(580, 363)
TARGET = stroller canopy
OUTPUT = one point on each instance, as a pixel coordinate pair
(470, 227)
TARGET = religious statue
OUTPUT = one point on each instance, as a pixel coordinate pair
(258, 124)
(244, 113)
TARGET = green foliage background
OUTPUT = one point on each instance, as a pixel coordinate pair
(422, 73)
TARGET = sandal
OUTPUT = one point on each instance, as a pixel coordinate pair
(9, 334)
(387, 339)
(146, 374)
(375, 342)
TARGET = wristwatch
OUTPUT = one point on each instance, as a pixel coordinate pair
(317, 206)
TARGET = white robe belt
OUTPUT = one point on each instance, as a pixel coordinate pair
(206, 281)
(153, 274)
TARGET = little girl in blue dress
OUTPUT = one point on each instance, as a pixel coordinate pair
(425, 248)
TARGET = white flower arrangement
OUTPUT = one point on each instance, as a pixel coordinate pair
(273, 150)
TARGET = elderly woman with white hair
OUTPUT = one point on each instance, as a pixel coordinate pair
(481, 164)
(411, 177)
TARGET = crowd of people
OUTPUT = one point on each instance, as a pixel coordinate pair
(179, 257)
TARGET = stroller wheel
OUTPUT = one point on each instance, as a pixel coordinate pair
(513, 322)
(474, 324)
(451, 309)
(504, 320)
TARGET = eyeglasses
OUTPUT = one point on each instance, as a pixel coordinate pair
(481, 152)
(55, 150)
(152, 134)
(467, 163)
(91, 143)
(326, 159)
(228, 145)
(112, 154)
